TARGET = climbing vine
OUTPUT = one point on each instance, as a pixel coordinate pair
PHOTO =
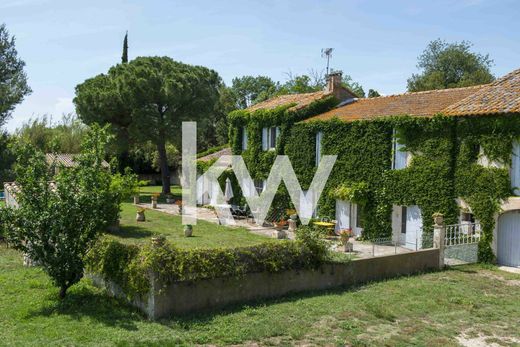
(444, 165)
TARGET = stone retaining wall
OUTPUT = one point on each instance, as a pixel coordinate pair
(184, 297)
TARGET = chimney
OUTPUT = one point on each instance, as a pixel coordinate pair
(334, 86)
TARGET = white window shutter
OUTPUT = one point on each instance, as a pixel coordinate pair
(319, 136)
(400, 159)
(265, 139)
(244, 138)
(515, 168)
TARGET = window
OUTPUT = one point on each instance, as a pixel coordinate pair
(244, 138)
(319, 136)
(259, 186)
(403, 219)
(269, 137)
(467, 217)
(400, 157)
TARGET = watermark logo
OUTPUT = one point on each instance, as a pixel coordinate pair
(194, 188)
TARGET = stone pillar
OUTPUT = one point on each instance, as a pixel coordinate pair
(439, 233)
(136, 199)
(292, 225)
(154, 201)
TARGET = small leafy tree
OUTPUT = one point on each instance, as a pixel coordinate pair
(450, 65)
(59, 218)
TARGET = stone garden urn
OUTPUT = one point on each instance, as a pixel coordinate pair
(292, 225)
(438, 218)
(140, 217)
(188, 230)
(154, 201)
(348, 247)
(279, 234)
(136, 199)
(158, 241)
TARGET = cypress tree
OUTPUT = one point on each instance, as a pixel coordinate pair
(124, 57)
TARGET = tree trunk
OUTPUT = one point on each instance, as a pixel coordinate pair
(63, 291)
(165, 170)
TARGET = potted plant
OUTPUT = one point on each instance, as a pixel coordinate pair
(179, 204)
(155, 197)
(344, 239)
(280, 232)
(188, 230)
(438, 218)
(292, 214)
(140, 217)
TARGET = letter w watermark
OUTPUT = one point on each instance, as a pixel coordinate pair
(304, 202)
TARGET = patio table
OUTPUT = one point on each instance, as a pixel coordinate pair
(329, 226)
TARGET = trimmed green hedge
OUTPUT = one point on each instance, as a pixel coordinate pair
(130, 266)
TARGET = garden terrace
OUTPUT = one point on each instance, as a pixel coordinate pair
(205, 234)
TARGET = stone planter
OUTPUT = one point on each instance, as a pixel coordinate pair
(136, 199)
(279, 234)
(438, 219)
(188, 230)
(158, 241)
(154, 202)
(292, 225)
(348, 247)
(140, 217)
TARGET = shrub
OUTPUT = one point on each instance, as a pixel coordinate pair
(59, 218)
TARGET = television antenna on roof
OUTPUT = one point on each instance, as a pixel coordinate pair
(327, 52)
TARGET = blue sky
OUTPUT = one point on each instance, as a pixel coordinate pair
(376, 42)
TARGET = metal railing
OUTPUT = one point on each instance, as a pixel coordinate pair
(462, 234)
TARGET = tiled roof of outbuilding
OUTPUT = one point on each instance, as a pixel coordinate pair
(300, 100)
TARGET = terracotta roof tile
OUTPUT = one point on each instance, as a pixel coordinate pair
(216, 155)
(501, 96)
(301, 100)
(65, 159)
(427, 103)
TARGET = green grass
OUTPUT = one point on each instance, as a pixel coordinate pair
(147, 191)
(426, 310)
(205, 234)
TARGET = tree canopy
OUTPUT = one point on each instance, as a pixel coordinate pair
(13, 80)
(248, 90)
(450, 65)
(147, 99)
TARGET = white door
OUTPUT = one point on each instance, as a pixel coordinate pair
(342, 215)
(508, 239)
(413, 227)
(355, 220)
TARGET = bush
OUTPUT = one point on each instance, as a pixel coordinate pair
(60, 217)
(130, 266)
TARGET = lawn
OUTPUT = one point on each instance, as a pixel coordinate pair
(205, 234)
(147, 191)
(428, 310)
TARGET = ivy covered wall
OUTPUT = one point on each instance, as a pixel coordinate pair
(444, 164)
